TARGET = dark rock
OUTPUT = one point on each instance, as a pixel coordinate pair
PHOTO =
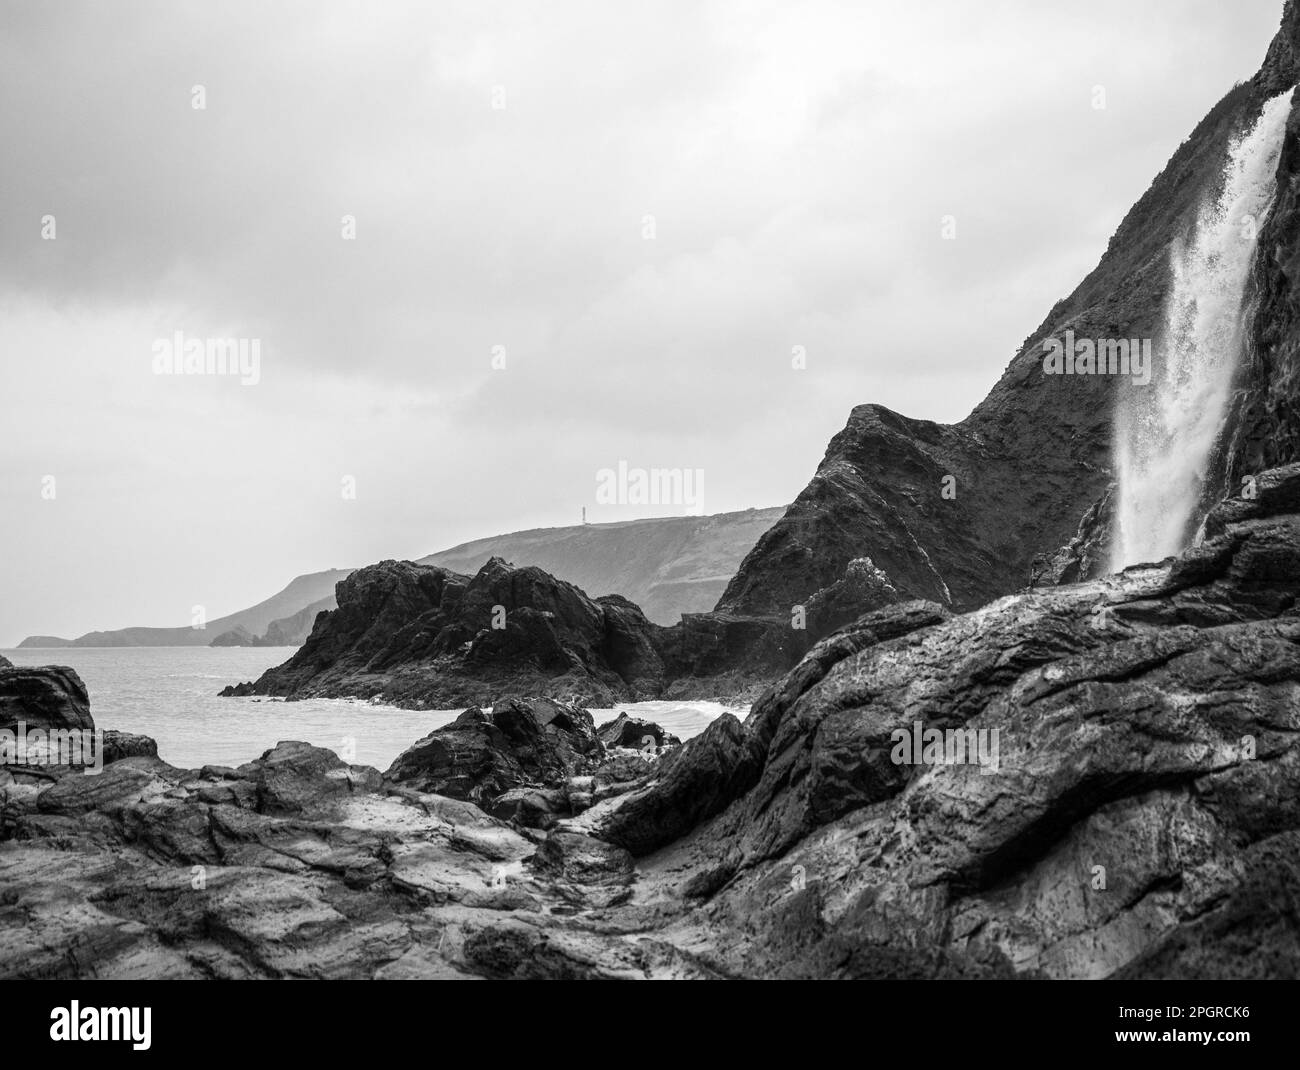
(1141, 821)
(581, 859)
(1038, 448)
(52, 697)
(1086, 556)
(294, 777)
(694, 783)
(534, 808)
(124, 783)
(1139, 818)
(481, 757)
(861, 589)
(635, 734)
(119, 745)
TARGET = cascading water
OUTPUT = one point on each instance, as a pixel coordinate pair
(1166, 430)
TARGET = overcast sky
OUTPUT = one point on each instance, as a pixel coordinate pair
(797, 160)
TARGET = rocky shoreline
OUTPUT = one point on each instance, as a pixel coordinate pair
(1142, 819)
(422, 637)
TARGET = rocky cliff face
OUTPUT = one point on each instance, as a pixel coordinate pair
(424, 637)
(50, 697)
(1038, 448)
(1140, 816)
(1120, 802)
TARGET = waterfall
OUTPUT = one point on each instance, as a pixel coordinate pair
(1166, 430)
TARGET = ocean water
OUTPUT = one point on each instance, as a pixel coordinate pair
(170, 694)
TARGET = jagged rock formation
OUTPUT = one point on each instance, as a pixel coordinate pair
(51, 697)
(1143, 812)
(1084, 557)
(1038, 447)
(531, 761)
(423, 636)
(1141, 818)
(903, 509)
(420, 636)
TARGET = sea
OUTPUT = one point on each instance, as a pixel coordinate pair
(170, 694)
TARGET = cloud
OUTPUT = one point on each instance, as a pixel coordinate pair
(796, 160)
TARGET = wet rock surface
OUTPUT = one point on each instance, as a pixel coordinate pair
(422, 637)
(1139, 816)
(50, 697)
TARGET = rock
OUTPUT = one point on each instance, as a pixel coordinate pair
(582, 859)
(119, 745)
(693, 783)
(861, 589)
(422, 636)
(481, 757)
(633, 733)
(52, 697)
(122, 784)
(535, 808)
(929, 503)
(1139, 819)
(1087, 555)
(237, 636)
(293, 778)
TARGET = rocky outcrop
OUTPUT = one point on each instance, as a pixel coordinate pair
(1112, 794)
(235, 637)
(300, 865)
(928, 503)
(119, 745)
(423, 637)
(419, 635)
(1084, 557)
(532, 761)
(635, 733)
(52, 697)
(481, 756)
(1134, 804)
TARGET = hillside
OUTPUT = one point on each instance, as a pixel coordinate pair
(668, 565)
(301, 592)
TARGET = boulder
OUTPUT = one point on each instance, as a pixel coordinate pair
(480, 757)
(52, 697)
(635, 733)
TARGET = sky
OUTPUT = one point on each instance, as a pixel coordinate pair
(488, 250)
